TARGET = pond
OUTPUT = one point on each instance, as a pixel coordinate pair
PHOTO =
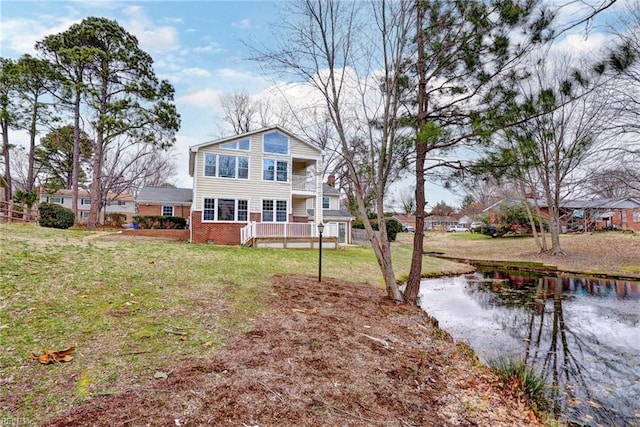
(582, 334)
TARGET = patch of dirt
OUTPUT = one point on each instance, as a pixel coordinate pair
(330, 353)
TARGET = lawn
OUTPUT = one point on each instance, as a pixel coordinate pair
(135, 309)
(132, 308)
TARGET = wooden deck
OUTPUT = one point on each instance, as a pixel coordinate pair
(292, 242)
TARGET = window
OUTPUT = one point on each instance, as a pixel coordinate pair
(275, 170)
(225, 210)
(167, 210)
(209, 165)
(57, 200)
(325, 202)
(84, 214)
(274, 211)
(243, 144)
(85, 201)
(209, 211)
(636, 217)
(224, 166)
(227, 166)
(275, 143)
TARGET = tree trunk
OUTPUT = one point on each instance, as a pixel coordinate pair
(7, 167)
(415, 274)
(30, 184)
(76, 154)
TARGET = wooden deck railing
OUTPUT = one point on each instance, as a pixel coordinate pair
(284, 230)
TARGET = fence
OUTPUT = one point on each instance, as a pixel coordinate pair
(14, 212)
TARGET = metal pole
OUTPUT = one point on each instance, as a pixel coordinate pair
(320, 259)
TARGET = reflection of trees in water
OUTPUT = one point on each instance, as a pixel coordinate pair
(573, 359)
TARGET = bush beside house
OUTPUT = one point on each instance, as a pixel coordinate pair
(55, 216)
(155, 222)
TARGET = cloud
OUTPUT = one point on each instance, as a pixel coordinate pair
(212, 47)
(151, 36)
(20, 35)
(242, 24)
(204, 99)
(198, 72)
(233, 74)
(577, 45)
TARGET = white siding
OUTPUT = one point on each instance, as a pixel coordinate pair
(253, 189)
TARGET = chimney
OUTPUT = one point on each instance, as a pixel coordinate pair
(331, 180)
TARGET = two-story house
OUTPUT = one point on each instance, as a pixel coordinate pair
(123, 204)
(258, 184)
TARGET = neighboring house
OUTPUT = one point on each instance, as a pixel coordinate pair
(114, 204)
(439, 222)
(332, 213)
(166, 201)
(597, 214)
(408, 219)
(255, 185)
(586, 214)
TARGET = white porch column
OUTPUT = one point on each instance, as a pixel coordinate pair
(318, 208)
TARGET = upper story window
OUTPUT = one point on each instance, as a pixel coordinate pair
(325, 202)
(242, 144)
(275, 143)
(275, 170)
(226, 166)
(55, 199)
(85, 201)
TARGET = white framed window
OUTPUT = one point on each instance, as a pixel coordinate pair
(274, 210)
(56, 199)
(167, 210)
(223, 166)
(325, 202)
(84, 214)
(241, 144)
(85, 201)
(636, 216)
(225, 210)
(275, 170)
(275, 143)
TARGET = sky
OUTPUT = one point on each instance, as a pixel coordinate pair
(200, 47)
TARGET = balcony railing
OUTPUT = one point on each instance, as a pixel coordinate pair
(284, 230)
(302, 183)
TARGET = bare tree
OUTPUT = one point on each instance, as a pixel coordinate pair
(335, 47)
(567, 123)
(239, 111)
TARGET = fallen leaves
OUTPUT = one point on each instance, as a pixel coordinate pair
(51, 356)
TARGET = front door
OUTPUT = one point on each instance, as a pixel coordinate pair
(342, 232)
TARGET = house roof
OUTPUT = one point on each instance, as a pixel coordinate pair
(196, 147)
(85, 194)
(328, 190)
(601, 203)
(159, 195)
(440, 218)
(405, 218)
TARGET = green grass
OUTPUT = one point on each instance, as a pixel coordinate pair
(133, 308)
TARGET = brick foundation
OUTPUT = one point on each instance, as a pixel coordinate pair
(220, 233)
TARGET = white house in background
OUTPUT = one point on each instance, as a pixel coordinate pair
(124, 204)
(332, 212)
(258, 185)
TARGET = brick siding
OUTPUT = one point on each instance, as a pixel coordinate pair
(220, 233)
(181, 211)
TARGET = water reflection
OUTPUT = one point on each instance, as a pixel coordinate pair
(582, 334)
